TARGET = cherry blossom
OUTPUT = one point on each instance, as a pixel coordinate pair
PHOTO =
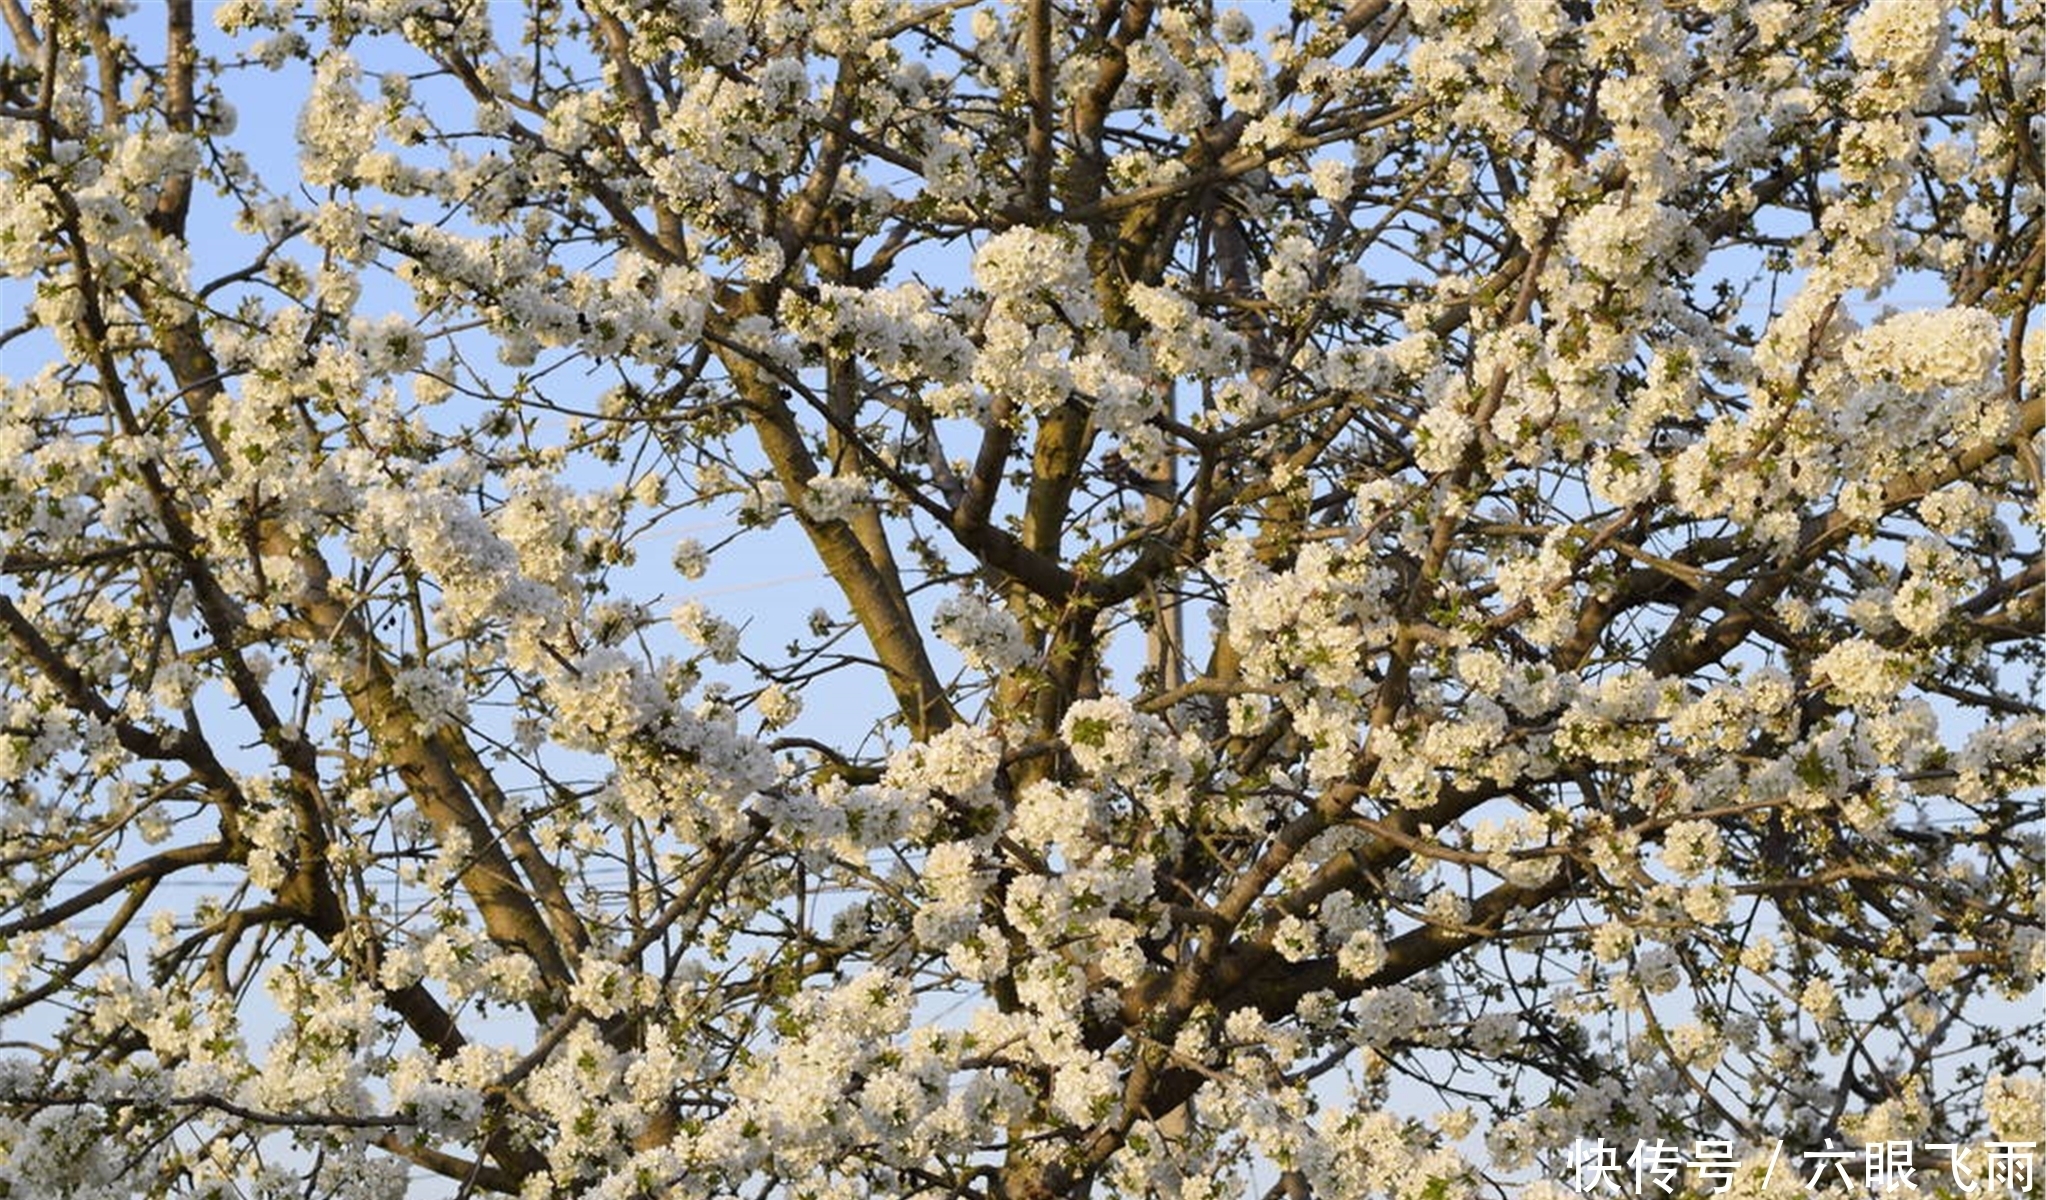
(1379, 589)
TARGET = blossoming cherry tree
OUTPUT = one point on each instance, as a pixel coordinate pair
(1396, 586)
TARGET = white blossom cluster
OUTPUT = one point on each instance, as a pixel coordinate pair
(987, 637)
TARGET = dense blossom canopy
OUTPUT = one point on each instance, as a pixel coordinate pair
(1397, 584)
